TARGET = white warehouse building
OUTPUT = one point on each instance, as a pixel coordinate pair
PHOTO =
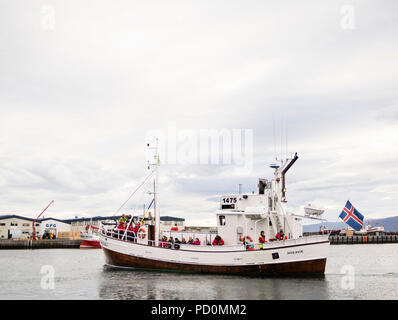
(14, 226)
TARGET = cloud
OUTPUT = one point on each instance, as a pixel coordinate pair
(78, 99)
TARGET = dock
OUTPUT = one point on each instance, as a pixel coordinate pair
(40, 244)
(355, 239)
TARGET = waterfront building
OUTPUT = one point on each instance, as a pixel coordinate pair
(14, 226)
(54, 226)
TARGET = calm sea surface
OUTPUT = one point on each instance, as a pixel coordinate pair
(367, 271)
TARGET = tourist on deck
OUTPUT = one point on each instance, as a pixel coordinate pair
(137, 227)
(190, 241)
(177, 243)
(130, 233)
(281, 235)
(163, 242)
(197, 241)
(183, 241)
(218, 241)
(122, 219)
(261, 239)
(121, 228)
(175, 228)
(170, 243)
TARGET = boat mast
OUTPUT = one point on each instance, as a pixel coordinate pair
(157, 209)
(156, 194)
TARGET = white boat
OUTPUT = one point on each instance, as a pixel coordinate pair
(371, 229)
(312, 210)
(240, 219)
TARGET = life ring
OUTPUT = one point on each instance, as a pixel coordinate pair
(141, 233)
(246, 237)
(249, 246)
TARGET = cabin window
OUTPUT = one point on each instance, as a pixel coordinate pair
(222, 220)
(14, 224)
(2, 224)
(26, 224)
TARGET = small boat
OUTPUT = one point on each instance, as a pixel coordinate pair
(240, 219)
(90, 238)
(369, 229)
(372, 229)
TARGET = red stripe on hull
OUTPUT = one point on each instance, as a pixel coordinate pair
(288, 268)
(90, 244)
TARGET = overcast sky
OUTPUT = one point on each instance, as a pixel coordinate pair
(83, 82)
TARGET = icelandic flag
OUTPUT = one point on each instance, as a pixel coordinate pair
(352, 216)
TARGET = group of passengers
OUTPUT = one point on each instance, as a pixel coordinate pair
(126, 222)
(175, 243)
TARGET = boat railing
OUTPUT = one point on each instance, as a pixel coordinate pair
(301, 240)
(130, 236)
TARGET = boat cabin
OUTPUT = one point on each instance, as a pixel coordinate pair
(242, 215)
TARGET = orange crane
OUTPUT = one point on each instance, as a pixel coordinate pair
(34, 222)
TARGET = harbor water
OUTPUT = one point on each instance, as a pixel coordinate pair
(361, 271)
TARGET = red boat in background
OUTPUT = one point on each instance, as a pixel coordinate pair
(90, 238)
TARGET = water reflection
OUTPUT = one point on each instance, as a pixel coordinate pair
(117, 283)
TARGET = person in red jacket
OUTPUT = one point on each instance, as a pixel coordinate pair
(121, 229)
(281, 236)
(218, 241)
(130, 233)
(197, 241)
(261, 239)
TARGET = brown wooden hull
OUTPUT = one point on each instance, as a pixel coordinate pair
(290, 268)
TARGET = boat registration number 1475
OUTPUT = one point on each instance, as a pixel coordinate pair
(229, 200)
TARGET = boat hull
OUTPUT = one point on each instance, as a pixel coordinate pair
(316, 266)
(275, 260)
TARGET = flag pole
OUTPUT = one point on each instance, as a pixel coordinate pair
(334, 224)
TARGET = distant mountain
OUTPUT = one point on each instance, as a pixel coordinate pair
(389, 224)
